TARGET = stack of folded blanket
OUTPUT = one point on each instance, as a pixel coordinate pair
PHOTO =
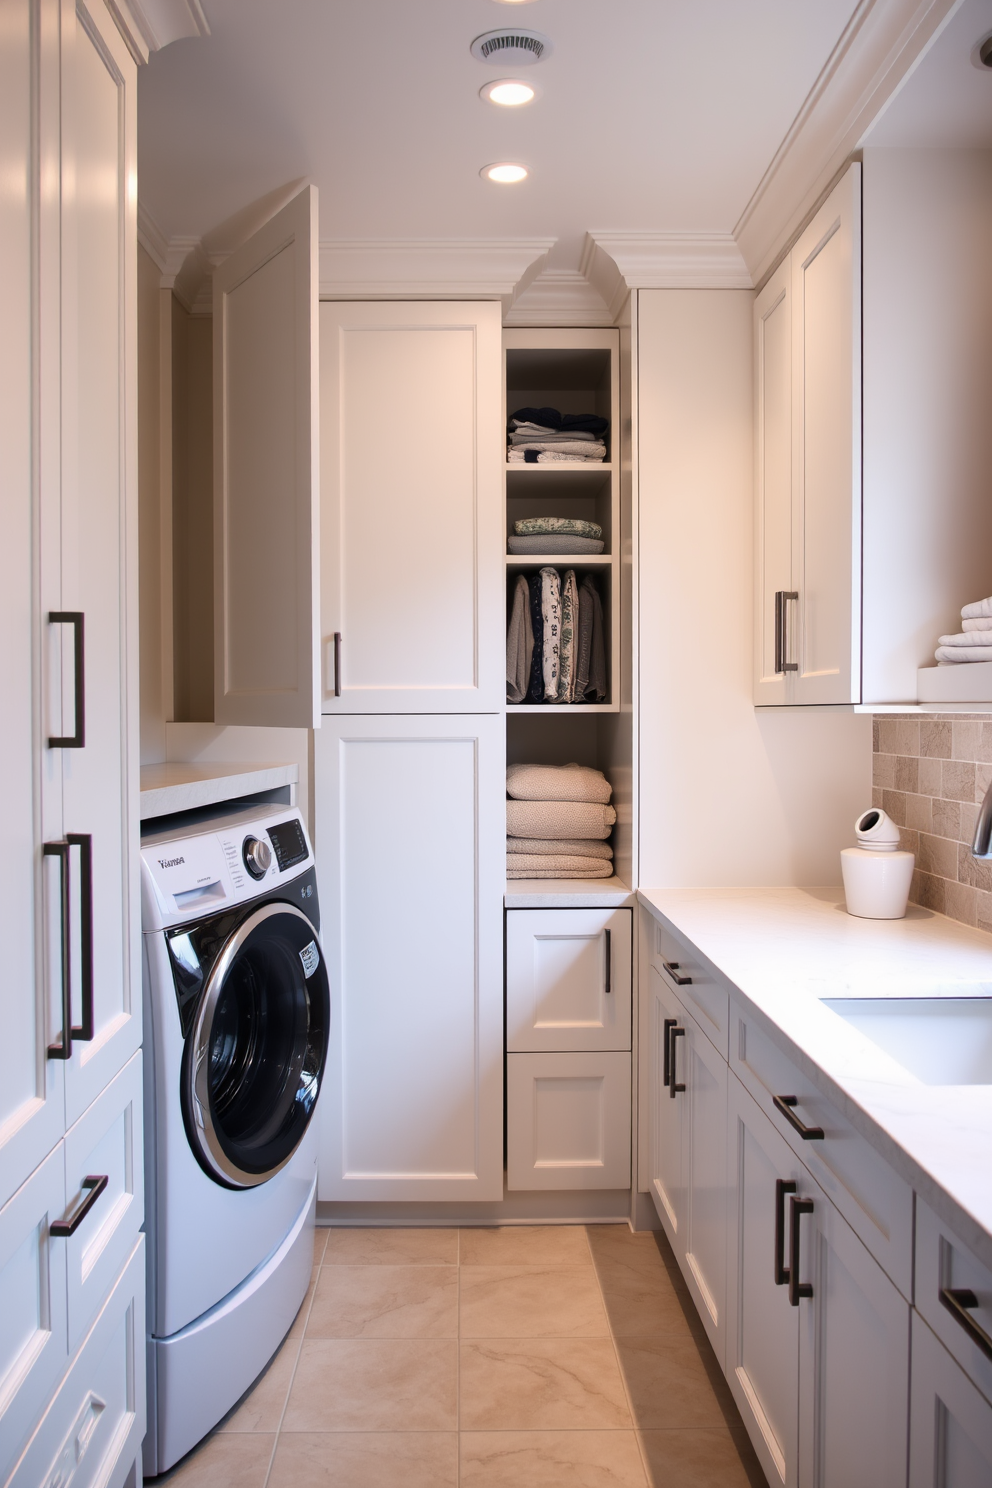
(555, 535)
(543, 436)
(974, 640)
(555, 640)
(558, 819)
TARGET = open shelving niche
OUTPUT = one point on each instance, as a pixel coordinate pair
(575, 371)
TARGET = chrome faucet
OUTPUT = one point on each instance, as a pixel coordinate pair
(981, 846)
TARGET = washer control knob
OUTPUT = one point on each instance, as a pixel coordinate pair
(257, 855)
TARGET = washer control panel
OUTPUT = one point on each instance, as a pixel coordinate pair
(257, 856)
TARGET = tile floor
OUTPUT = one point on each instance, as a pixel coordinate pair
(559, 1357)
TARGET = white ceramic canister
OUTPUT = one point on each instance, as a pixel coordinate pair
(877, 876)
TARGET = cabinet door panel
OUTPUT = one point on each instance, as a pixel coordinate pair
(31, 1085)
(773, 478)
(409, 836)
(826, 268)
(98, 289)
(567, 1121)
(665, 1115)
(951, 1423)
(33, 1347)
(411, 545)
(704, 1074)
(854, 1363)
(568, 979)
(763, 1329)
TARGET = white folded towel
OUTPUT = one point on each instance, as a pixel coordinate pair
(980, 610)
(976, 625)
(967, 638)
(574, 847)
(561, 865)
(953, 655)
(557, 783)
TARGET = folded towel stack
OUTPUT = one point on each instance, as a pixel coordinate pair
(555, 640)
(974, 640)
(558, 818)
(555, 535)
(543, 436)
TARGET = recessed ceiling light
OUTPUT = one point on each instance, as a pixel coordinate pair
(504, 173)
(513, 2)
(509, 92)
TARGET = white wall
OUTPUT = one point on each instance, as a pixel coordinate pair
(728, 796)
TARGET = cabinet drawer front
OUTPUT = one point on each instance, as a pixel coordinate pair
(950, 1443)
(706, 998)
(33, 1348)
(875, 1201)
(91, 1433)
(944, 1264)
(568, 1121)
(105, 1142)
(567, 979)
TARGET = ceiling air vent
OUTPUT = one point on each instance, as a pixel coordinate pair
(512, 45)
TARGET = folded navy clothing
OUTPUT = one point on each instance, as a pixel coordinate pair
(550, 418)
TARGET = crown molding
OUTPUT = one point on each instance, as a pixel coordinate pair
(149, 25)
(616, 262)
(878, 48)
(559, 297)
(430, 268)
(152, 238)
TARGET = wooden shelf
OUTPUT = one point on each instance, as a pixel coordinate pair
(587, 467)
(543, 709)
(559, 560)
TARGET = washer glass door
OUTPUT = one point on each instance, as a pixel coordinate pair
(254, 1058)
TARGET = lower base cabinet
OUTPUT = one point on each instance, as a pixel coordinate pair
(951, 1421)
(567, 1121)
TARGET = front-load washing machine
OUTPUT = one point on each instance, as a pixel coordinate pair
(237, 1013)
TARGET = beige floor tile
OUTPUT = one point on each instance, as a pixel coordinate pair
(223, 1462)
(642, 1306)
(668, 1384)
(531, 1302)
(352, 1459)
(551, 1459)
(385, 1302)
(699, 1459)
(319, 1241)
(391, 1247)
(372, 1384)
(618, 1248)
(564, 1384)
(299, 1322)
(261, 1408)
(525, 1245)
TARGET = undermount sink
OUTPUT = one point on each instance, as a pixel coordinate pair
(940, 1040)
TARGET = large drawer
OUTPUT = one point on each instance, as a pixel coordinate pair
(567, 1121)
(706, 997)
(568, 980)
(946, 1272)
(875, 1201)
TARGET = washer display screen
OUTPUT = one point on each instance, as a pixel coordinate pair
(289, 842)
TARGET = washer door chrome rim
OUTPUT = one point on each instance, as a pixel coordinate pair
(204, 1129)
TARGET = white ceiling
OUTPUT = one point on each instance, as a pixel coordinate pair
(655, 115)
(946, 102)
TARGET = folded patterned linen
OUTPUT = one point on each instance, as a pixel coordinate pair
(575, 847)
(954, 655)
(569, 622)
(563, 526)
(594, 451)
(527, 433)
(554, 543)
(550, 418)
(967, 638)
(559, 819)
(551, 615)
(557, 783)
(976, 625)
(980, 610)
(549, 457)
(557, 865)
(535, 689)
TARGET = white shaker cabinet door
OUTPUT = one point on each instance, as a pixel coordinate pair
(567, 1121)
(266, 474)
(98, 549)
(951, 1422)
(665, 1111)
(31, 1084)
(411, 457)
(567, 979)
(409, 838)
(699, 1075)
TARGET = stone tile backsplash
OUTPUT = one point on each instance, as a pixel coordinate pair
(930, 774)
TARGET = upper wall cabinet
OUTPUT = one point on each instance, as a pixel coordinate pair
(411, 537)
(807, 323)
(265, 474)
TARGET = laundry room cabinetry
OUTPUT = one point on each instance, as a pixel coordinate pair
(70, 1070)
(807, 346)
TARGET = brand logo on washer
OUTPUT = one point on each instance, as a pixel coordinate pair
(310, 956)
(170, 862)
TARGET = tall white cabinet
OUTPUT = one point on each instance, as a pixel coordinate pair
(71, 1266)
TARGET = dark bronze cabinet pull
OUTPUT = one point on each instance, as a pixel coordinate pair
(62, 1228)
(667, 1035)
(957, 1300)
(337, 663)
(76, 740)
(797, 1289)
(672, 967)
(783, 1104)
(609, 962)
(62, 1047)
(674, 1085)
(783, 1186)
(781, 635)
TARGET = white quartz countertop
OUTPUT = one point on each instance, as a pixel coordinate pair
(786, 949)
(180, 786)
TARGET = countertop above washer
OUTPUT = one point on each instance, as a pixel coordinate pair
(181, 786)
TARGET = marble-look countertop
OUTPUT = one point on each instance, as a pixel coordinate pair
(181, 786)
(785, 949)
